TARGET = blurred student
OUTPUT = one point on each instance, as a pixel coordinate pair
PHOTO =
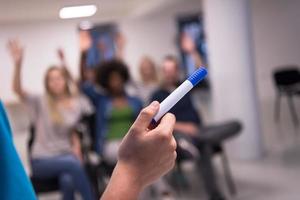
(187, 119)
(187, 126)
(144, 156)
(115, 109)
(148, 79)
(56, 150)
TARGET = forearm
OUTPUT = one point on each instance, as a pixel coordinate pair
(82, 66)
(186, 127)
(197, 58)
(17, 84)
(76, 145)
(123, 185)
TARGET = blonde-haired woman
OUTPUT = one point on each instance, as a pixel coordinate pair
(56, 151)
(148, 82)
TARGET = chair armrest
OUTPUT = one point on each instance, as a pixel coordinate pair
(218, 133)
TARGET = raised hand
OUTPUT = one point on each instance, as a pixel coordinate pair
(61, 54)
(187, 44)
(16, 51)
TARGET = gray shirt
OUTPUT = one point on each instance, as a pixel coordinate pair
(52, 139)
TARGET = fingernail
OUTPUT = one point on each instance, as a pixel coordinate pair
(154, 104)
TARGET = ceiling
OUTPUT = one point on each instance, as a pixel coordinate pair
(40, 10)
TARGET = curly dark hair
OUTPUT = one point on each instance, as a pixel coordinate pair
(105, 69)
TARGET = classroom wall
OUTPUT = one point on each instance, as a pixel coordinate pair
(276, 30)
(40, 41)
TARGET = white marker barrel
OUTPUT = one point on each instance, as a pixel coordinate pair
(173, 98)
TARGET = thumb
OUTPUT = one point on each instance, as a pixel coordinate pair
(144, 118)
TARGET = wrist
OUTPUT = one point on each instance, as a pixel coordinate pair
(126, 182)
(129, 175)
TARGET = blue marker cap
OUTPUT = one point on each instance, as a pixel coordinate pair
(197, 76)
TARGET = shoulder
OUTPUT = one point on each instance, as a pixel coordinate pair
(159, 94)
(135, 100)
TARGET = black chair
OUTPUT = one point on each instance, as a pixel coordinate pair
(209, 143)
(99, 172)
(287, 83)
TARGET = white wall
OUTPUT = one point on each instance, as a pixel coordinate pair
(231, 61)
(40, 41)
(276, 30)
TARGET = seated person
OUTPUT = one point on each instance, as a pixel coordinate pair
(187, 119)
(187, 123)
(144, 156)
(56, 152)
(115, 110)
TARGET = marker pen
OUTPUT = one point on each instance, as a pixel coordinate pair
(179, 92)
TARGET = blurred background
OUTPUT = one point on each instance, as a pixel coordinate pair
(250, 48)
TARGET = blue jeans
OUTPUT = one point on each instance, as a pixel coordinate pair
(69, 171)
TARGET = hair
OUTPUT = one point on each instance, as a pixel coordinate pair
(105, 69)
(55, 115)
(173, 59)
(152, 64)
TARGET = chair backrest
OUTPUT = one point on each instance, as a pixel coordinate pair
(88, 122)
(286, 76)
(30, 140)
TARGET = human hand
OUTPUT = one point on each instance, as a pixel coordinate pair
(16, 51)
(76, 146)
(85, 41)
(187, 44)
(61, 54)
(145, 155)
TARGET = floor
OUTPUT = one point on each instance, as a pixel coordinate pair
(268, 179)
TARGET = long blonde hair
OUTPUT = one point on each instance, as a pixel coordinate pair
(153, 77)
(70, 91)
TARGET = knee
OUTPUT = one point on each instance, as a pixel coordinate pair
(66, 182)
(74, 165)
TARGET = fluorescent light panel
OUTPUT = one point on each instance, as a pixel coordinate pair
(77, 11)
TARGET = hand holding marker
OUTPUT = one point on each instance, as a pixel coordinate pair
(177, 94)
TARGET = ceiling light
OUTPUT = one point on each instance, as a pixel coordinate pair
(77, 11)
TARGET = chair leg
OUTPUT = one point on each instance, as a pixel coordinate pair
(208, 173)
(176, 178)
(228, 174)
(277, 107)
(292, 110)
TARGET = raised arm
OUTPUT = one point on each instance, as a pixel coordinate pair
(16, 52)
(64, 66)
(189, 47)
(85, 43)
(120, 42)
